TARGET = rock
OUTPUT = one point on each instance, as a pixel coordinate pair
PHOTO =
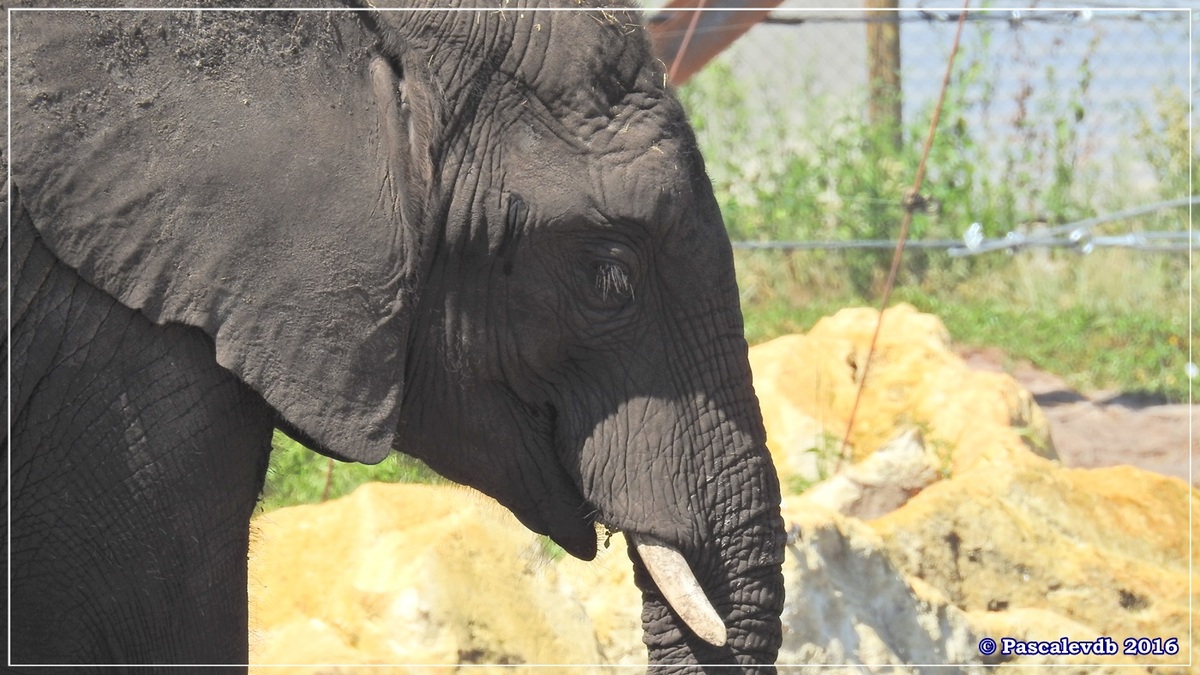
(807, 384)
(1029, 552)
(301, 641)
(605, 586)
(1093, 552)
(849, 604)
(409, 574)
(803, 388)
(880, 483)
(1007, 543)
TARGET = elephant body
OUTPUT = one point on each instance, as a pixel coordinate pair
(484, 238)
(142, 495)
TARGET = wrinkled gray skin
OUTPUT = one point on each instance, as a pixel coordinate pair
(486, 240)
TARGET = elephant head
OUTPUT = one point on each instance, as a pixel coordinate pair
(483, 238)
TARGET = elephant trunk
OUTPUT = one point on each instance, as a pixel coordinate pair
(678, 585)
(727, 609)
(708, 549)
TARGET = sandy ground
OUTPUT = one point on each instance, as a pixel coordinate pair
(1104, 428)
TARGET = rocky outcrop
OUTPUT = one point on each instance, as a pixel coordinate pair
(882, 482)
(612, 602)
(848, 603)
(409, 574)
(969, 530)
(807, 385)
(1032, 552)
(949, 523)
(1099, 552)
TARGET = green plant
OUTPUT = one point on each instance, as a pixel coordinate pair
(1164, 142)
(827, 454)
(1109, 320)
(297, 475)
(551, 550)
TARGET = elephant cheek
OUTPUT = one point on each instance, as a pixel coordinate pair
(482, 436)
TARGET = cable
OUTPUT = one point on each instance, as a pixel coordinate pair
(1077, 234)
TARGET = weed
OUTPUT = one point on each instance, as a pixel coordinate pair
(1112, 319)
(826, 451)
(297, 475)
(551, 550)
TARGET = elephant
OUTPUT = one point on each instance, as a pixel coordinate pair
(484, 238)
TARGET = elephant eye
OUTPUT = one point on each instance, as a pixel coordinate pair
(613, 285)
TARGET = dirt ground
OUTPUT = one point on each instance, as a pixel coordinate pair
(1103, 428)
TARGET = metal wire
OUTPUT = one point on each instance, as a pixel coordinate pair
(1149, 242)
(1015, 16)
(1075, 235)
(788, 17)
(889, 244)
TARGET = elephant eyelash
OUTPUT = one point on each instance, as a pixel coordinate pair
(613, 283)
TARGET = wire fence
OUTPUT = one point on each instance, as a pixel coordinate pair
(1077, 235)
(1010, 16)
(1069, 112)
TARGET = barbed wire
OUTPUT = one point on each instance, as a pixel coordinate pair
(1058, 5)
(1179, 242)
(1013, 17)
(836, 244)
(1010, 16)
(1076, 235)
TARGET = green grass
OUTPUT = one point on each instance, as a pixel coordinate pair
(297, 475)
(1089, 332)
(1133, 352)
(1109, 320)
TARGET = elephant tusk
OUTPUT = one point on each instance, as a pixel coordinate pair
(678, 585)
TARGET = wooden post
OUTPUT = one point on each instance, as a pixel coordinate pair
(883, 67)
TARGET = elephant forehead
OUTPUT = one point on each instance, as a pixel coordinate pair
(660, 184)
(580, 64)
(592, 68)
(636, 165)
(657, 186)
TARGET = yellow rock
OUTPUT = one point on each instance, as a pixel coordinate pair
(1010, 544)
(1106, 550)
(408, 574)
(847, 603)
(605, 586)
(807, 385)
(1030, 552)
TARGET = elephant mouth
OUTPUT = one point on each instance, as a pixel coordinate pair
(667, 567)
(665, 564)
(576, 536)
(562, 514)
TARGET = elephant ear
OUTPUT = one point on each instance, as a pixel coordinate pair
(247, 173)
